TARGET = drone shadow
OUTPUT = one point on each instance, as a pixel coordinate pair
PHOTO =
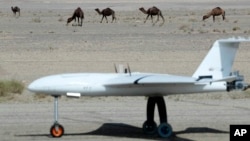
(128, 131)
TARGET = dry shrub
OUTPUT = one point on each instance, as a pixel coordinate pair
(202, 31)
(40, 96)
(184, 27)
(236, 28)
(217, 30)
(247, 31)
(13, 86)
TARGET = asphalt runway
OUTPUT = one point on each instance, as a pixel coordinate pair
(121, 119)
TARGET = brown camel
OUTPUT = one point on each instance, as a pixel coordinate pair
(106, 12)
(15, 10)
(78, 13)
(215, 12)
(153, 11)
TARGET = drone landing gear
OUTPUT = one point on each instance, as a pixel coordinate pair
(150, 127)
(56, 129)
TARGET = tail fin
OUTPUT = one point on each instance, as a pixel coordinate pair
(219, 60)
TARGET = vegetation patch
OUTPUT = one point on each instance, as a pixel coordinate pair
(40, 96)
(10, 87)
(236, 28)
(184, 28)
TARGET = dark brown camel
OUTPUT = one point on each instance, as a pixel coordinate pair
(153, 11)
(78, 13)
(15, 10)
(106, 12)
(215, 12)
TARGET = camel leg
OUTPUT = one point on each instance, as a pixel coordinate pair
(78, 21)
(213, 18)
(152, 18)
(157, 18)
(146, 19)
(162, 18)
(74, 22)
(81, 22)
(102, 19)
(113, 18)
(106, 19)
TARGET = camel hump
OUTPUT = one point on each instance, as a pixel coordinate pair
(15, 8)
(218, 8)
(154, 7)
(78, 8)
(109, 9)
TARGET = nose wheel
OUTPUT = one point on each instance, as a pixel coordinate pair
(56, 129)
(164, 130)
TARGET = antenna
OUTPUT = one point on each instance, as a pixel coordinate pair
(115, 68)
(129, 69)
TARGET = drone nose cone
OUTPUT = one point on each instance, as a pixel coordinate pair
(40, 85)
(31, 87)
(34, 87)
(45, 84)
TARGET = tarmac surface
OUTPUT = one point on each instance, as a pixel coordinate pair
(121, 119)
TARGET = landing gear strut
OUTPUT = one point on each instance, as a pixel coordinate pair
(150, 127)
(56, 129)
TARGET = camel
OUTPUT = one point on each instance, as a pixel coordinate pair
(106, 12)
(15, 10)
(153, 11)
(215, 12)
(78, 13)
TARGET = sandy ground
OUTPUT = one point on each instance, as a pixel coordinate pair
(39, 43)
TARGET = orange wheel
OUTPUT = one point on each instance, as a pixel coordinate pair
(57, 130)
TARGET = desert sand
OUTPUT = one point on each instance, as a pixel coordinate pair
(38, 43)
